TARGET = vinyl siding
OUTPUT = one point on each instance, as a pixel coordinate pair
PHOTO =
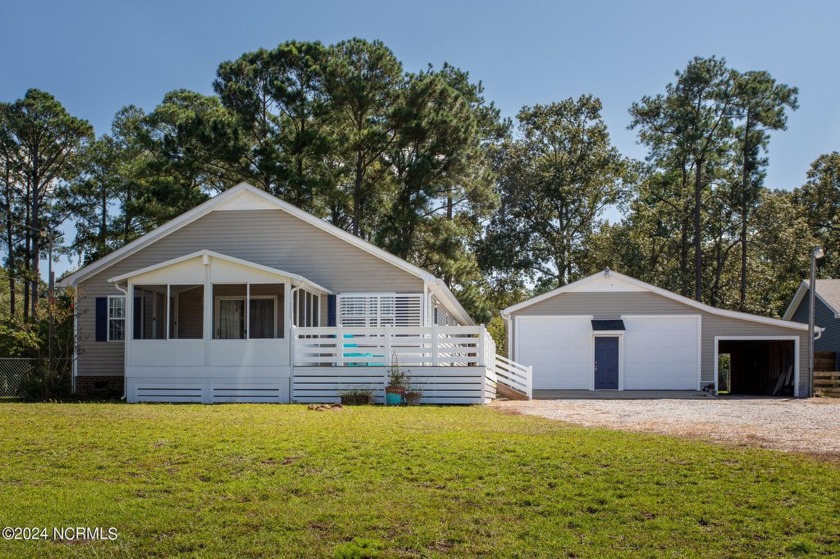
(612, 305)
(268, 237)
(824, 317)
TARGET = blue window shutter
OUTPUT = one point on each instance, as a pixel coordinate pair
(331, 315)
(101, 319)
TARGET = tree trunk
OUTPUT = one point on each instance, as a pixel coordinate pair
(27, 253)
(357, 196)
(25, 279)
(103, 223)
(745, 175)
(698, 241)
(719, 262)
(36, 247)
(10, 263)
(685, 246)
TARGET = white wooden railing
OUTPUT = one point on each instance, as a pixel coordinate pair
(504, 371)
(359, 351)
(516, 376)
(433, 346)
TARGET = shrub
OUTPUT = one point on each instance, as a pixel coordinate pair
(356, 397)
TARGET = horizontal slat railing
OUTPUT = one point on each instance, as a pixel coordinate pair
(439, 385)
(434, 346)
(514, 375)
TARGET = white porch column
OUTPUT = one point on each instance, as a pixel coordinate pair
(208, 307)
(288, 322)
(129, 328)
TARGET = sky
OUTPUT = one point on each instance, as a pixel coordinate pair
(97, 57)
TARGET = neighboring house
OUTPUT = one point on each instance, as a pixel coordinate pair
(611, 331)
(248, 298)
(826, 313)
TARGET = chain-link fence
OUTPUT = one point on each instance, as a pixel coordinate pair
(16, 371)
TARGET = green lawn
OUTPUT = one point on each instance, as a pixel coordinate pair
(268, 480)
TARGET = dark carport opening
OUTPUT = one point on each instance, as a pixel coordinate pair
(756, 367)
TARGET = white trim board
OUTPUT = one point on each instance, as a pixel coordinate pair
(795, 340)
(576, 287)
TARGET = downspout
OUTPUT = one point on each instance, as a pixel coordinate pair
(125, 380)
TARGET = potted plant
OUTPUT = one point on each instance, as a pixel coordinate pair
(413, 394)
(395, 390)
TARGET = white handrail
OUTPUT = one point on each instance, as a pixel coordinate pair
(515, 375)
(444, 346)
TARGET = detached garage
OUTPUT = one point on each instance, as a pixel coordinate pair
(613, 332)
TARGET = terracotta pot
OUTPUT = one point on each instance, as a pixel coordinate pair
(394, 395)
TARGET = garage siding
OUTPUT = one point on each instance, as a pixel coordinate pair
(823, 317)
(272, 238)
(607, 305)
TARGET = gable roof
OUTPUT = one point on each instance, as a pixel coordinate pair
(828, 291)
(300, 280)
(638, 285)
(248, 196)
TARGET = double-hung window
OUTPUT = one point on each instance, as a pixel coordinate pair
(116, 318)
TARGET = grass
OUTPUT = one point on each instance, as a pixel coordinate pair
(264, 481)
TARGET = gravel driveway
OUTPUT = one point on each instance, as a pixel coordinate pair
(808, 426)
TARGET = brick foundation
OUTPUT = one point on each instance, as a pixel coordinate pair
(100, 386)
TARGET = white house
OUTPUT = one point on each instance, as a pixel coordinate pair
(248, 298)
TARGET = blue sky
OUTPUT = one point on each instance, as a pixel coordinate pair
(97, 57)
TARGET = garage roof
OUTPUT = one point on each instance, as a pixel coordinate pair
(639, 285)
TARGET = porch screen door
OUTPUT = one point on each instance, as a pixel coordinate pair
(231, 319)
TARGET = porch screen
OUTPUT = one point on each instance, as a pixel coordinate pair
(150, 311)
(262, 318)
(306, 309)
(187, 312)
(248, 312)
(375, 310)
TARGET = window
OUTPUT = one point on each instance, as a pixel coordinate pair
(116, 318)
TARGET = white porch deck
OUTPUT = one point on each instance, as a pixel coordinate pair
(450, 364)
